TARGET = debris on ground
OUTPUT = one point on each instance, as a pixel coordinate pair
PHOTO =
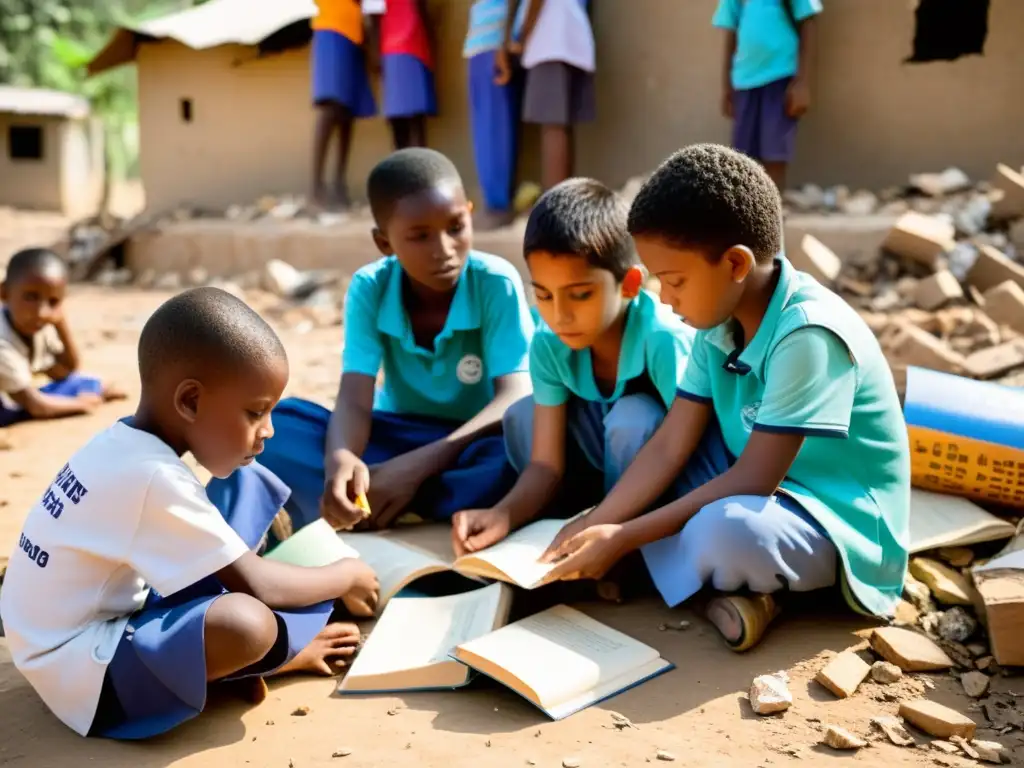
(947, 585)
(937, 720)
(571, 762)
(957, 625)
(664, 756)
(840, 738)
(975, 683)
(990, 751)
(343, 752)
(885, 672)
(770, 693)
(621, 722)
(908, 650)
(894, 730)
(300, 711)
(676, 626)
(843, 674)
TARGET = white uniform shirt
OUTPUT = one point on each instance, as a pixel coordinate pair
(124, 513)
(19, 361)
(562, 33)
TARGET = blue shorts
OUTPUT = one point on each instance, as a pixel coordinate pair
(339, 74)
(157, 677)
(761, 128)
(74, 385)
(408, 87)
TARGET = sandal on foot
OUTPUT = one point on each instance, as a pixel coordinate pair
(753, 614)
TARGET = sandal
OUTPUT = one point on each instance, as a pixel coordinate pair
(752, 614)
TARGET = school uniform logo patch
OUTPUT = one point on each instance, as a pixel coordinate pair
(470, 370)
(748, 413)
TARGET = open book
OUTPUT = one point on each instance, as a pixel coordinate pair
(939, 520)
(410, 647)
(400, 556)
(562, 660)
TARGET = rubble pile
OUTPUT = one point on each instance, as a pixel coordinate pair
(946, 289)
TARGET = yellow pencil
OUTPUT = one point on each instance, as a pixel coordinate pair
(363, 504)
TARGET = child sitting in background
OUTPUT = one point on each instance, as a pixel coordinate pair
(35, 338)
(341, 91)
(110, 657)
(769, 47)
(605, 365)
(450, 329)
(404, 40)
(785, 376)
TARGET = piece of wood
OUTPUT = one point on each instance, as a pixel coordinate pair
(937, 720)
(1002, 592)
(909, 650)
(843, 674)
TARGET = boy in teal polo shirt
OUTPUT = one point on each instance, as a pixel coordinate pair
(449, 328)
(605, 364)
(801, 393)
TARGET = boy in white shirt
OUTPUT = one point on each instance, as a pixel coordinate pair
(129, 590)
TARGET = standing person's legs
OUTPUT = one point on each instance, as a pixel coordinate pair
(341, 93)
(763, 129)
(409, 96)
(494, 116)
(557, 97)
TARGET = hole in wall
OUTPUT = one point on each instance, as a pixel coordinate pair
(945, 30)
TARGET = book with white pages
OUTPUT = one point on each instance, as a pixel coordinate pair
(410, 647)
(562, 661)
(942, 520)
(402, 555)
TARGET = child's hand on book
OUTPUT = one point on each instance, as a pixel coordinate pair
(362, 589)
(476, 529)
(589, 554)
(395, 483)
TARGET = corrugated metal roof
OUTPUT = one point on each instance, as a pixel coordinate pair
(39, 101)
(217, 22)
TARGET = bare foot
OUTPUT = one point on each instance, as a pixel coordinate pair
(112, 392)
(332, 649)
(341, 201)
(488, 220)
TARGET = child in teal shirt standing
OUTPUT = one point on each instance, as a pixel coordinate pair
(605, 364)
(801, 393)
(769, 47)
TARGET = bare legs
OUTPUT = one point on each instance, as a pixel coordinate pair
(331, 117)
(409, 131)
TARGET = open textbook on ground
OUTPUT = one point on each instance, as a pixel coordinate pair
(400, 556)
(562, 660)
(410, 647)
(940, 520)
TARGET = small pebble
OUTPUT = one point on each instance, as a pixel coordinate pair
(393, 711)
(665, 756)
(677, 626)
(571, 762)
(343, 752)
(487, 743)
(885, 672)
(270, 722)
(300, 712)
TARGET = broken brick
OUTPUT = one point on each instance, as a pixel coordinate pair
(909, 650)
(937, 720)
(910, 345)
(1009, 201)
(932, 292)
(924, 239)
(1005, 304)
(995, 361)
(947, 585)
(843, 674)
(992, 267)
(816, 259)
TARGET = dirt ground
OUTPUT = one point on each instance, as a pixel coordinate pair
(698, 712)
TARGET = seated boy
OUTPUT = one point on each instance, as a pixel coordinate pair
(803, 397)
(605, 365)
(111, 656)
(450, 329)
(35, 338)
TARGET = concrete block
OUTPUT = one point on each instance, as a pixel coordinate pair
(816, 259)
(937, 720)
(995, 361)
(1005, 305)
(909, 650)
(936, 290)
(911, 345)
(1009, 202)
(922, 238)
(992, 267)
(843, 674)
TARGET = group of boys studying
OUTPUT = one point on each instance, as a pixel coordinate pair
(741, 432)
